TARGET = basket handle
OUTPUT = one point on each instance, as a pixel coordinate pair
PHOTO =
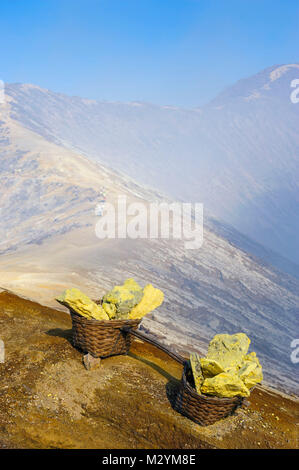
(143, 337)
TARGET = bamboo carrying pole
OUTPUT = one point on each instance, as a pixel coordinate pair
(154, 342)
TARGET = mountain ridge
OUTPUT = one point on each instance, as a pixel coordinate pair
(239, 158)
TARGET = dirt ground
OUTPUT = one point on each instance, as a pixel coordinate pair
(49, 400)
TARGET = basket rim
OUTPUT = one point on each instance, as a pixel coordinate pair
(204, 397)
(105, 322)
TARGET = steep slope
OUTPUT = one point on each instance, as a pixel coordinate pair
(49, 244)
(46, 189)
(238, 155)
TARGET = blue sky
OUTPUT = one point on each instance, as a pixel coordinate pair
(177, 52)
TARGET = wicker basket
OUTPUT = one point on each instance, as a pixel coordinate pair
(101, 338)
(202, 409)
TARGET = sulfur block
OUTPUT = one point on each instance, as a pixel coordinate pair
(228, 350)
(225, 385)
(152, 298)
(124, 297)
(82, 304)
(196, 371)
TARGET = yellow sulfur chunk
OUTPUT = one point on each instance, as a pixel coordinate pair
(110, 309)
(196, 371)
(124, 297)
(227, 369)
(210, 367)
(225, 385)
(232, 370)
(152, 298)
(82, 304)
(251, 372)
(228, 350)
(252, 357)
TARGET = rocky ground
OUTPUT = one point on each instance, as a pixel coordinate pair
(49, 400)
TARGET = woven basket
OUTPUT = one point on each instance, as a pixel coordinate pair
(202, 409)
(101, 338)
